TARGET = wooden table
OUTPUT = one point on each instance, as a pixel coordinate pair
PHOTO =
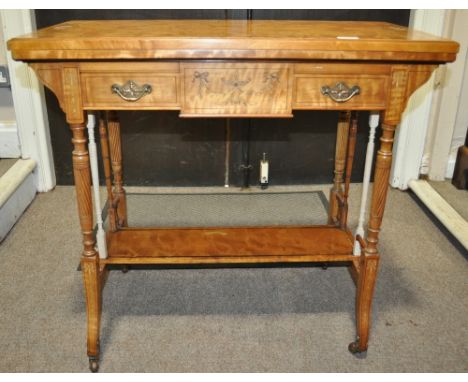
(230, 69)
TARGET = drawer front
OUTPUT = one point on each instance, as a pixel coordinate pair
(130, 90)
(340, 91)
(237, 89)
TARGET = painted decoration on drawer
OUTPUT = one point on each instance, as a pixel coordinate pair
(237, 89)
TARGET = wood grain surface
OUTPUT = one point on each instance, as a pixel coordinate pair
(263, 244)
(131, 39)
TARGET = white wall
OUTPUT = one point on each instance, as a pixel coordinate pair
(410, 137)
(461, 122)
(9, 139)
(3, 59)
(7, 112)
(449, 118)
(28, 99)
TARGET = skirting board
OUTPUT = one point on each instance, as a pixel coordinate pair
(9, 140)
(451, 166)
(450, 218)
(17, 191)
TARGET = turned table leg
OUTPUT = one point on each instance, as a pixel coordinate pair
(90, 259)
(370, 258)
(113, 126)
(340, 160)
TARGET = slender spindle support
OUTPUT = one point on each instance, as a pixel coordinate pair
(373, 123)
(340, 161)
(113, 126)
(349, 168)
(100, 235)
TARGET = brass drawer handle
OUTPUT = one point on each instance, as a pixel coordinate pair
(340, 92)
(131, 91)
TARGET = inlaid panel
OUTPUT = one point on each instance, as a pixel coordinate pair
(236, 89)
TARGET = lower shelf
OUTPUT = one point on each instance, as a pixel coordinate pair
(229, 245)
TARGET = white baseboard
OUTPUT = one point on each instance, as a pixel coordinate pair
(451, 165)
(9, 140)
(424, 169)
(14, 177)
(17, 191)
(450, 218)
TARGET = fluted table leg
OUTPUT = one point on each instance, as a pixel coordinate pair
(370, 258)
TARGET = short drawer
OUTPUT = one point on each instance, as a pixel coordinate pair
(237, 89)
(130, 90)
(340, 91)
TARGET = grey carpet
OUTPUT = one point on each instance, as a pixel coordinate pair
(185, 210)
(5, 165)
(296, 319)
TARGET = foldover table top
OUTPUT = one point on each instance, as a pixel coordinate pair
(256, 39)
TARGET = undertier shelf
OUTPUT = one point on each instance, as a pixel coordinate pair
(229, 245)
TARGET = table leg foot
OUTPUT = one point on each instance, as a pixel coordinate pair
(125, 268)
(92, 279)
(93, 364)
(355, 349)
(365, 290)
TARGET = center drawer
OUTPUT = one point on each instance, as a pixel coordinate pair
(236, 89)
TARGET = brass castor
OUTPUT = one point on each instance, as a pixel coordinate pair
(125, 268)
(93, 364)
(356, 351)
(324, 266)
